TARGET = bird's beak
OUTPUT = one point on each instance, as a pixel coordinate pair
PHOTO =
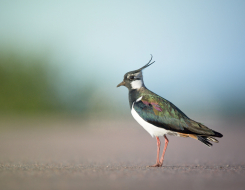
(121, 84)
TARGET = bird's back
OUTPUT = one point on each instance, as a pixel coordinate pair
(162, 113)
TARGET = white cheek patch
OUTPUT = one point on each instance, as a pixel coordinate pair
(136, 84)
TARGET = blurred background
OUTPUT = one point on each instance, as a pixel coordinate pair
(60, 63)
(68, 57)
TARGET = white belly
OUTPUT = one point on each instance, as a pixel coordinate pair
(153, 130)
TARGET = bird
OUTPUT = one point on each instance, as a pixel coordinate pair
(159, 117)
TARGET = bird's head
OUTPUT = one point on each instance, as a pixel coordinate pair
(134, 79)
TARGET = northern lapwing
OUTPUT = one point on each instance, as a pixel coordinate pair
(159, 117)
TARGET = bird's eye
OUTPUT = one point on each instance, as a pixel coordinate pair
(131, 77)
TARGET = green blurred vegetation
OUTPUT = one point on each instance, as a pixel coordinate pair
(30, 84)
(25, 84)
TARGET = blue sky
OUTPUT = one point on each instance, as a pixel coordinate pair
(198, 45)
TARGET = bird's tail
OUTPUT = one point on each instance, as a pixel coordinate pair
(205, 140)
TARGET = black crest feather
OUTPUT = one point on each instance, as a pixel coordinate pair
(148, 64)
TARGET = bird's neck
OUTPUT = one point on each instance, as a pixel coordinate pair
(133, 95)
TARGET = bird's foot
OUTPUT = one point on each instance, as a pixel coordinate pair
(156, 165)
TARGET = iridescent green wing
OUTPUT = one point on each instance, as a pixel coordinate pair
(162, 113)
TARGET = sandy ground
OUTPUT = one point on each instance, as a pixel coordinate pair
(70, 153)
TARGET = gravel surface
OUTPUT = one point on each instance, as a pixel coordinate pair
(74, 154)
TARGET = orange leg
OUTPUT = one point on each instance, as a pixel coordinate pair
(158, 151)
(159, 163)
(164, 150)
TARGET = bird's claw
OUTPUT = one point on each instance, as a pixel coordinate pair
(156, 165)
